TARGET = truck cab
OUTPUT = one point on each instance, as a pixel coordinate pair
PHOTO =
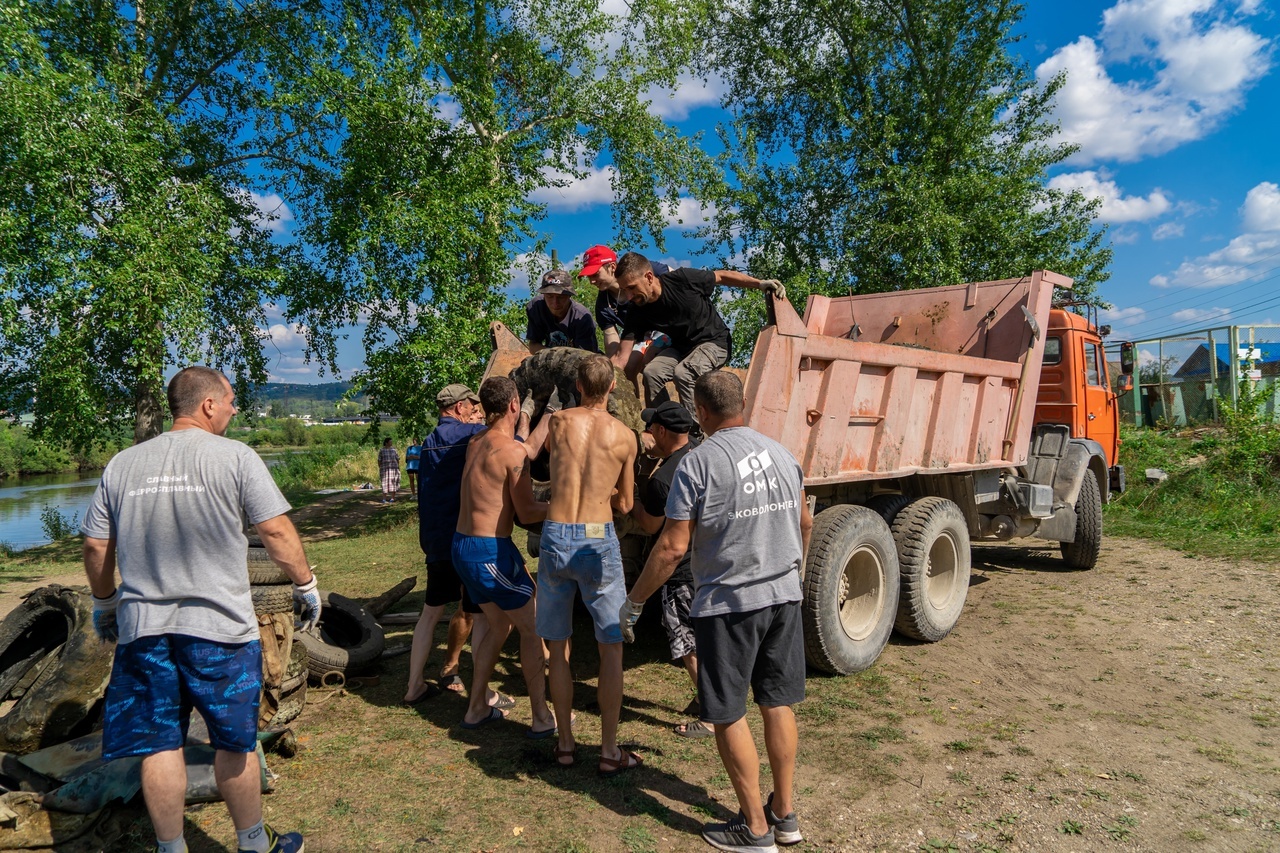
(1076, 392)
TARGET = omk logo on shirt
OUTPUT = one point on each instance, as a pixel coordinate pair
(756, 466)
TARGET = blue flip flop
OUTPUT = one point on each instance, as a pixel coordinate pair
(534, 734)
(493, 716)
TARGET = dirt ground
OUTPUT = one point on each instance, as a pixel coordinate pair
(1131, 707)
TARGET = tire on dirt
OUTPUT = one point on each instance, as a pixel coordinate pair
(349, 640)
(271, 599)
(850, 589)
(1083, 553)
(934, 561)
(888, 506)
(293, 690)
(62, 702)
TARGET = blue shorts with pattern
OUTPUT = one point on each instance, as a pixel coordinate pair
(492, 571)
(585, 559)
(156, 681)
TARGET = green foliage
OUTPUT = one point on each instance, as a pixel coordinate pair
(23, 453)
(454, 114)
(1222, 496)
(56, 525)
(893, 144)
(333, 466)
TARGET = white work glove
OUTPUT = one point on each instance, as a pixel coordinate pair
(306, 604)
(772, 285)
(628, 615)
(527, 405)
(104, 617)
(555, 404)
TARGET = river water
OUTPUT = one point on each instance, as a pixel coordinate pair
(22, 499)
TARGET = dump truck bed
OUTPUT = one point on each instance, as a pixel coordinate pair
(888, 385)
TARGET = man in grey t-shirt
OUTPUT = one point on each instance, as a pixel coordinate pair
(169, 514)
(737, 501)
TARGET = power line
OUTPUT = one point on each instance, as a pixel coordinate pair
(1210, 298)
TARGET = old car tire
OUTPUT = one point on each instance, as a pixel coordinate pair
(850, 589)
(271, 599)
(291, 705)
(1083, 553)
(263, 570)
(349, 638)
(934, 561)
(60, 703)
(888, 506)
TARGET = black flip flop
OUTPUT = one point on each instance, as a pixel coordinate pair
(431, 691)
(493, 716)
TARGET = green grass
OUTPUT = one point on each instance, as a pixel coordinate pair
(1222, 497)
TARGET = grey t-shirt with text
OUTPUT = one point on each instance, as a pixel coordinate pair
(743, 492)
(176, 507)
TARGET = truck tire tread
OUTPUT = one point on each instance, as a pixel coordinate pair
(1083, 553)
(915, 530)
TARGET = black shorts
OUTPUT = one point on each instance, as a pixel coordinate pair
(761, 648)
(445, 587)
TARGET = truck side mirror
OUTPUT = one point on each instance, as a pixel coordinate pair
(1124, 385)
(1126, 359)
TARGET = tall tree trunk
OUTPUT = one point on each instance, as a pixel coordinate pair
(148, 417)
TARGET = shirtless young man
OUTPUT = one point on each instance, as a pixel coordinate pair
(495, 486)
(593, 467)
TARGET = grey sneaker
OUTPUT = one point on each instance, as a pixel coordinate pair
(736, 837)
(786, 829)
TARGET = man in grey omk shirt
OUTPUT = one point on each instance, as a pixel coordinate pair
(169, 514)
(737, 501)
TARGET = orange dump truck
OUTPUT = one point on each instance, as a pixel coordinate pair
(924, 420)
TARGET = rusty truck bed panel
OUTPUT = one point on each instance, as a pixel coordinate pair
(892, 384)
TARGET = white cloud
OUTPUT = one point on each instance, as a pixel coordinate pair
(1124, 238)
(1116, 206)
(1167, 231)
(1197, 315)
(1261, 210)
(1242, 258)
(689, 213)
(287, 367)
(571, 193)
(273, 215)
(689, 94)
(1202, 59)
(1132, 315)
(286, 337)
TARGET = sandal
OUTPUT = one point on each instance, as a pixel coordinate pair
(452, 683)
(695, 729)
(559, 754)
(502, 701)
(624, 762)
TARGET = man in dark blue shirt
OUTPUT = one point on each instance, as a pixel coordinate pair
(556, 319)
(443, 455)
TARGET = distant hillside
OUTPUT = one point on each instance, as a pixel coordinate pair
(328, 392)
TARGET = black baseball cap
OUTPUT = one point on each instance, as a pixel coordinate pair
(671, 415)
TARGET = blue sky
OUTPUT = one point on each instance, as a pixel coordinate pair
(1175, 105)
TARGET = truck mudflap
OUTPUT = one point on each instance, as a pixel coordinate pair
(1062, 462)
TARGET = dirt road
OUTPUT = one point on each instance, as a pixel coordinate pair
(1130, 707)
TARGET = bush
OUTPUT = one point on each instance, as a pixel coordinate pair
(332, 466)
(56, 525)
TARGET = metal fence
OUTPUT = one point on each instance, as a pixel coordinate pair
(1189, 379)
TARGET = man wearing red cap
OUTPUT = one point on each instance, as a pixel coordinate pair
(598, 265)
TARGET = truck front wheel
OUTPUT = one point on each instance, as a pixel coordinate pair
(934, 560)
(1083, 553)
(850, 589)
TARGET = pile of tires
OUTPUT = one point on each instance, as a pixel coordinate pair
(293, 689)
(272, 594)
(347, 640)
(55, 668)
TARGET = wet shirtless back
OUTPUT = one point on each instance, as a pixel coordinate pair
(592, 475)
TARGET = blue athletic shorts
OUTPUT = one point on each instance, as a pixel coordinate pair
(581, 558)
(492, 570)
(156, 681)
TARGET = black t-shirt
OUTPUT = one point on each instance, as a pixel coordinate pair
(685, 311)
(612, 315)
(654, 501)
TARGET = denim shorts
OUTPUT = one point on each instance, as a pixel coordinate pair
(581, 558)
(157, 680)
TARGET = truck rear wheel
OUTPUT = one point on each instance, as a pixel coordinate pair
(850, 589)
(1083, 553)
(934, 562)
